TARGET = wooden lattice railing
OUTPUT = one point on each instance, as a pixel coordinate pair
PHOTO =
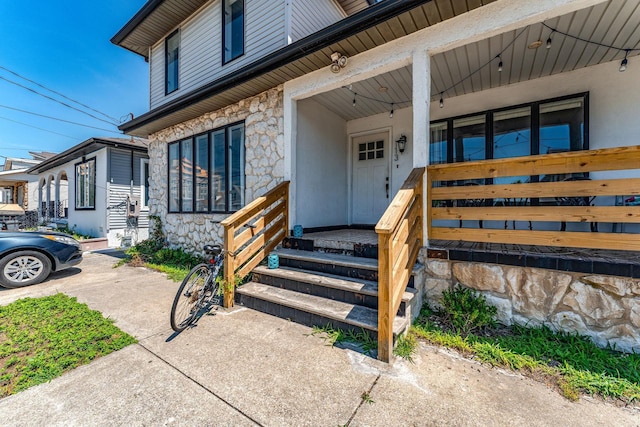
(569, 194)
(399, 241)
(251, 233)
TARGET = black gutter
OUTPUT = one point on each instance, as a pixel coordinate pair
(339, 31)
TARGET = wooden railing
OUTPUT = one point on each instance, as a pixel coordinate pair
(251, 233)
(399, 241)
(569, 200)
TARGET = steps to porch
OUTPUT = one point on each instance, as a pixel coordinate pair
(319, 289)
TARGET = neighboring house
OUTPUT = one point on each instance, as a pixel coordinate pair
(98, 188)
(345, 98)
(17, 188)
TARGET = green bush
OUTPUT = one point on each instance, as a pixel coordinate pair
(466, 311)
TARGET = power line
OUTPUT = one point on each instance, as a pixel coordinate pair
(55, 100)
(58, 119)
(35, 127)
(59, 94)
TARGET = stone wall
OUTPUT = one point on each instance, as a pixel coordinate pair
(263, 116)
(605, 308)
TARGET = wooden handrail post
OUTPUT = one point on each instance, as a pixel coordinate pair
(385, 317)
(229, 267)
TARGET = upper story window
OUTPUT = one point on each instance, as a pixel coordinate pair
(206, 172)
(233, 29)
(86, 184)
(171, 62)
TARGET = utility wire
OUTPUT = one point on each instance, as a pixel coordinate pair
(55, 100)
(59, 94)
(58, 119)
(35, 127)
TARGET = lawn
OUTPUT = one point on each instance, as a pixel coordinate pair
(42, 338)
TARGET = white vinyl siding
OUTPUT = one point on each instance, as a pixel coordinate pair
(310, 16)
(119, 187)
(201, 46)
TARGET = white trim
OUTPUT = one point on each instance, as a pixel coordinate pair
(389, 131)
(142, 184)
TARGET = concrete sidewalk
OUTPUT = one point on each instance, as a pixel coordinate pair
(246, 368)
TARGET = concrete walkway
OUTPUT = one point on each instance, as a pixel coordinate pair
(242, 367)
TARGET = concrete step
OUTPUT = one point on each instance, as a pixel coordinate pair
(339, 288)
(312, 310)
(332, 264)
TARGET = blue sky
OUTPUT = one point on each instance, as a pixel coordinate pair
(64, 45)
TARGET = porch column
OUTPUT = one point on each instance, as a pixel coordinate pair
(421, 105)
(290, 136)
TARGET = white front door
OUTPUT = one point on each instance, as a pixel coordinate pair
(370, 192)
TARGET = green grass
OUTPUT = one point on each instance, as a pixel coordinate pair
(41, 338)
(335, 336)
(573, 363)
(176, 263)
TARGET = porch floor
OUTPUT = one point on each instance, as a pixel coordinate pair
(597, 261)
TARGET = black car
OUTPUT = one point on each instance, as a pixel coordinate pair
(28, 257)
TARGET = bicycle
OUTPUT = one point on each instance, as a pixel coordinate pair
(198, 290)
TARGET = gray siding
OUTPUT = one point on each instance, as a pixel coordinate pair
(119, 187)
(201, 46)
(309, 16)
(117, 212)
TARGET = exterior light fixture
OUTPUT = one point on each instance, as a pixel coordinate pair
(441, 101)
(401, 143)
(338, 62)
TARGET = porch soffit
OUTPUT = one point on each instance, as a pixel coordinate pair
(354, 34)
(614, 23)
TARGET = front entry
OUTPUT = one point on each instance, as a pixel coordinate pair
(370, 183)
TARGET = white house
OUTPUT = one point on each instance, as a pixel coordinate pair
(105, 181)
(347, 99)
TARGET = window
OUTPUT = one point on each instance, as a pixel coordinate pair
(144, 182)
(233, 29)
(171, 63)
(86, 184)
(543, 127)
(206, 173)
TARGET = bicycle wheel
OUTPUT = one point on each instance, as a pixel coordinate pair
(189, 298)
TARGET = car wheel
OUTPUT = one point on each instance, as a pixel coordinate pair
(24, 268)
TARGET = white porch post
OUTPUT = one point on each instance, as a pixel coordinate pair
(290, 136)
(421, 104)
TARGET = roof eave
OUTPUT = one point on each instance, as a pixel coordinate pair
(319, 40)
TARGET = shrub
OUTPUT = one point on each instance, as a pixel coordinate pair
(466, 311)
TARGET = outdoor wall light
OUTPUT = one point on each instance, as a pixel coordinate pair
(401, 143)
(338, 62)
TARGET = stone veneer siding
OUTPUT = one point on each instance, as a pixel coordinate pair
(263, 116)
(604, 308)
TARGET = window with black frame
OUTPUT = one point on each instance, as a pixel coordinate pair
(86, 184)
(233, 29)
(171, 62)
(542, 127)
(206, 172)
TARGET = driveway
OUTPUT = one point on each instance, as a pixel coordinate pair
(242, 367)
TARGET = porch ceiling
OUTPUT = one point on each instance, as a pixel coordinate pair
(615, 23)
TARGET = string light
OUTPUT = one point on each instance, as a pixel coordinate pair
(392, 105)
(623, 64)
(441, 101)
(500, 63)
